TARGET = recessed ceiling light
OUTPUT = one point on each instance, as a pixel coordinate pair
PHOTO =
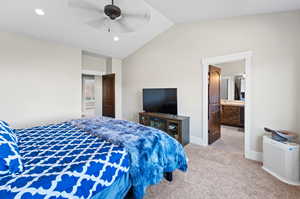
(116, 38)
(39, 12)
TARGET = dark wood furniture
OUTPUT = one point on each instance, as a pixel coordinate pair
(214, 104)
(233, 115)
(108, 95)
(176, 126)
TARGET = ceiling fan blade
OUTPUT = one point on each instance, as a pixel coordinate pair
(145, 16)
(124, 26)
(81, 4)
(98, 23)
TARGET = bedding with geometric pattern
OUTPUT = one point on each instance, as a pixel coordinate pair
(10, 159)
(62, 162)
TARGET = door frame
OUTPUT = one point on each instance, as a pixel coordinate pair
(247, 56)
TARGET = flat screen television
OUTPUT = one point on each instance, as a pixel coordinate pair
(160, 100)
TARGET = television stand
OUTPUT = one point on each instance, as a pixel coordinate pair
(176, 126)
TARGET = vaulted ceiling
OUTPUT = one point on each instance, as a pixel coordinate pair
(180, 11)
(64, 25)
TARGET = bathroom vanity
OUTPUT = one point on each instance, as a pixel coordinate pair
(233, 113)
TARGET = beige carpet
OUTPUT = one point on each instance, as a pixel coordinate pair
(217, 172)
(232, 140)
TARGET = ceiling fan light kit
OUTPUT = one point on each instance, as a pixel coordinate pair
(114, 19)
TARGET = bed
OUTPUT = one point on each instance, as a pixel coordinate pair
(95, 158)
(62, 161)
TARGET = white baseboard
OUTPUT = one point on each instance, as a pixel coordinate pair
(196, 140)
(253, 155)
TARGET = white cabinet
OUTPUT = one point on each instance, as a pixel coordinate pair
(281, 160)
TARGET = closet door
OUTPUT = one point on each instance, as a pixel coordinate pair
(108, 95)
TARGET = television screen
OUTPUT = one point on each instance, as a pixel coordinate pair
(162, 100)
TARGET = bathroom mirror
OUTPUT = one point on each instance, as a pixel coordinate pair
(233, 87)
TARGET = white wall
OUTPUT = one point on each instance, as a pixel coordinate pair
(40, 81)
(93, 62)
(173, 59)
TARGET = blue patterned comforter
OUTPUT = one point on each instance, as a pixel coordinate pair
(152, 151)
(62, 161)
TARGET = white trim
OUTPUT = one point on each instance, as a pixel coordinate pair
(92, 72)
(196, 140)
(247, 56)
(281, 178)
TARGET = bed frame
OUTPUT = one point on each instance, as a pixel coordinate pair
(168, 176)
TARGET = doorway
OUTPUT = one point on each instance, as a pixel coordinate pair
(91, 95)
(98, 94)
(212, 104)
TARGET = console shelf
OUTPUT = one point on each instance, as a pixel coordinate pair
(176, 126)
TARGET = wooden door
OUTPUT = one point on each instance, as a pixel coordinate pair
(108, 95)
(214, 104)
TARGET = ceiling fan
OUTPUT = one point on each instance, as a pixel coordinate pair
(112, 17)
